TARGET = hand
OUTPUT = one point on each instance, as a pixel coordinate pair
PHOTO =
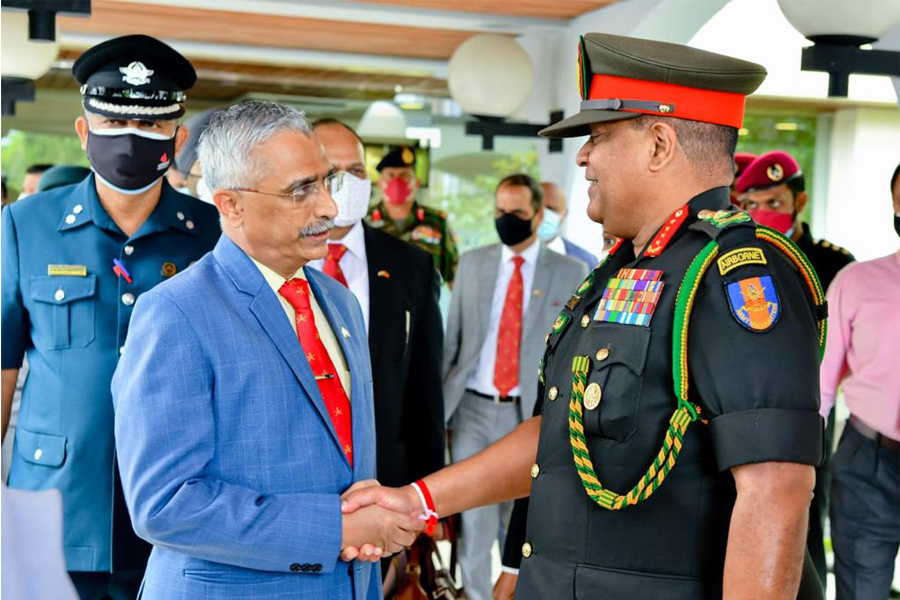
(505, 587)
(403, 500)
(369, 493)
(378, 528)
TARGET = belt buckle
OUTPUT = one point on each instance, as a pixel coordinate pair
(497, 399)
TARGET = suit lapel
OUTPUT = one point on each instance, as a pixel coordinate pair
(490, 267)
(543, 276)
(267, 309)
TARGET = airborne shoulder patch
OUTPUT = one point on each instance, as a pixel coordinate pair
(754, 302)
(740, 257)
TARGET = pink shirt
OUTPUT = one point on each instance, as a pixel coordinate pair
(863, 349)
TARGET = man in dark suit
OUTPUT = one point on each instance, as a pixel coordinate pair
(397, 287)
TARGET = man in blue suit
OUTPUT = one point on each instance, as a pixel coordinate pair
(244, 394)
(555, 212)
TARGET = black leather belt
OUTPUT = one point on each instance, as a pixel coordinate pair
(869, 433)
(496, 399)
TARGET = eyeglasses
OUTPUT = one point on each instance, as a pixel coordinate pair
(333, 183)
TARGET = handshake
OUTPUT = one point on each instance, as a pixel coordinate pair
(379, 521)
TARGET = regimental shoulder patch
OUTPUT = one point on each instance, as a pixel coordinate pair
(754, 302)
(740, 257)
(630, 298)
(427, 234)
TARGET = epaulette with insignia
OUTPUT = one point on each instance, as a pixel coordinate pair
(714, 222)
(833, 247)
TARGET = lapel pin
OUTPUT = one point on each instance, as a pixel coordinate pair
(384, 274)
(344, 332)
(538, 292)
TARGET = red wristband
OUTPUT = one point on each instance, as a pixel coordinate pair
(432, 516)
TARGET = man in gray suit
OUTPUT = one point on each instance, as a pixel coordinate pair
(505, 299)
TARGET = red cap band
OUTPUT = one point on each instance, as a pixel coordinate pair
(693, 104)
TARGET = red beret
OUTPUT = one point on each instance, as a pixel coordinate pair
(768, 170)
(742, 160)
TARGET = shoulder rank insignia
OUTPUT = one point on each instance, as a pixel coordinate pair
(754, 302)
(630, 298)
(723, 218)
(740, 257)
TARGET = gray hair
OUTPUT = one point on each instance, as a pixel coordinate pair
(227, 143)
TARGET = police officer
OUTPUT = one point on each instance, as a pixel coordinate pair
(674, 455)
(74, 261)
(400, 215)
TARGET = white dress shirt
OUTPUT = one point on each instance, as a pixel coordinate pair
(355, 266)
(482, 380)
(323, 326)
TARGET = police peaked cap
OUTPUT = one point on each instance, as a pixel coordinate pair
(134, 77)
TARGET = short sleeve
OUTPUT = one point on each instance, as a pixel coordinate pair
(753, 363)
(14, 316)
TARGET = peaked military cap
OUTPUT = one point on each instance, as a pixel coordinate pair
(402, 157)
(134, 77)
(622, 78)
(768, 170)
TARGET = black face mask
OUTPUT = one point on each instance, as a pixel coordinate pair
(512, 229)
(130, 162)
(897, 224)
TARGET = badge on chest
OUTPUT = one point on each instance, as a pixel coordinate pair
(630, 298)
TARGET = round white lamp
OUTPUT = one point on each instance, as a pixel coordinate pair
(854, 21)
(490, 75)
(20, 57)
(383, 120)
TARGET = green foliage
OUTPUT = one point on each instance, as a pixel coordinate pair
(471, 208)
(22, 149)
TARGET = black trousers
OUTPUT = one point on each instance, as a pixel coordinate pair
(122, 585)
(865, 516)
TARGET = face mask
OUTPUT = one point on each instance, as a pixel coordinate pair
(776, 220)
(549, 227)
(203, 191)
(184, 190)
(512, 229)
(897, 224)
(352, 200)
(397, 191)
(129, 160)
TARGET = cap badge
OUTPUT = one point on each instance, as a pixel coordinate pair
(136, 73)
(407, 156)
(775, 172)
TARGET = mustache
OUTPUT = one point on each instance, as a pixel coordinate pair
(317, 228)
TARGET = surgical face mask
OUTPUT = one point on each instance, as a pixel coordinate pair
(203, 191)
(128, 159)
(549, 227)
(512, 230)
(352, 200)
(778, 221)
(184, 190)
(397, 191)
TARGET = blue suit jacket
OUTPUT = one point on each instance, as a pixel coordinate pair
(576, 251)
(230, 464)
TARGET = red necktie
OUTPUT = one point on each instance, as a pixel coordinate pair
(509, 337)
(296, 292)
(333, 262)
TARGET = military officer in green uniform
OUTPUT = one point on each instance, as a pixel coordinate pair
(674, 456)
(75, 260)
(400, 215)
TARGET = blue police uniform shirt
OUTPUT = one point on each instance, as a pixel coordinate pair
(65, 307)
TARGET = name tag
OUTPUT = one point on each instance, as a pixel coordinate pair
(70, 270)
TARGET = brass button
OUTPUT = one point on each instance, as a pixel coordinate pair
(592, 396)
(602, 354)
(526, 550)
(585, 321)
(553, 393)
(38, 453)
(535, 470)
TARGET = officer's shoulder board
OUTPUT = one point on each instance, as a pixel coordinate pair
(833, 248)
